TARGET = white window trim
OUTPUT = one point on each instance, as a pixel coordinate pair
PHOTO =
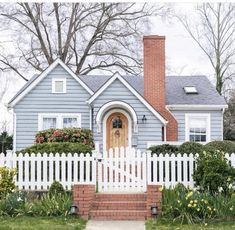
(59, 119)
(198, 115)
(64, 84)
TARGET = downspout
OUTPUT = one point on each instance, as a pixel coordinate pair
(91, 110)
(222, 125)
(164, 132)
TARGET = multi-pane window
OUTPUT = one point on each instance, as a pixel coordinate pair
(69, 122)
(59, 85)
(49, 122)
(197, 127)
(61, 120)
(117, 122)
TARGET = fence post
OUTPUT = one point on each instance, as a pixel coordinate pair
(9, 159)
(148, 167)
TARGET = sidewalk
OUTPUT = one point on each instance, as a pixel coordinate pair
(115, 225)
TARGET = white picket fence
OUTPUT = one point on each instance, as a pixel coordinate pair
(38, 171)
(121, 170)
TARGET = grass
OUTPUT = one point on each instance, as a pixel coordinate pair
(168, 225)
(42, 223)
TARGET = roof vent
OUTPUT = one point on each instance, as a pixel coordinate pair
(190, 90)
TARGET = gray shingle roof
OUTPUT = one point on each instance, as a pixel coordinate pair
(207, 94)
(175, 95)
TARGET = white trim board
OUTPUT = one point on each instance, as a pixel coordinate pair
(113, 105)
(14, 131)
(120, 78)
(43, 75)
(196, 107)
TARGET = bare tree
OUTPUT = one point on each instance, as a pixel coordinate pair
(86, 36)
(229, 118)
(214, 32)
(4, 85)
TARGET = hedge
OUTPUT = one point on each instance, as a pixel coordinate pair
(225, 146)
(57, 147)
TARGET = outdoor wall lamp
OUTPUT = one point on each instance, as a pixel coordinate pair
(144, 119)
(73, 209)
(154, 210)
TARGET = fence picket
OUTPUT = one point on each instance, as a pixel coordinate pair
(124, 169)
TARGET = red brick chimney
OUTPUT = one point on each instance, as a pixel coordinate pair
(154, 81)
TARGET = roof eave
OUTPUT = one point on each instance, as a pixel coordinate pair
(194, 107)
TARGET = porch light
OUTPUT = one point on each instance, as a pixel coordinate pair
(144, 119)
(154, 210)
(73, 209)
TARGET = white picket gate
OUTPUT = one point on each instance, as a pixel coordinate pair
(122, 170)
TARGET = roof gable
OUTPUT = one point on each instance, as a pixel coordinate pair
(129, 87)
(36, 79)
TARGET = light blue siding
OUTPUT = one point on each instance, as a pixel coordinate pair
(151, 131)
(216, 123)
(41, 100)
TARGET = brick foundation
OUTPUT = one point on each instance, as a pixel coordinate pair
(83, 196)
(154, 197)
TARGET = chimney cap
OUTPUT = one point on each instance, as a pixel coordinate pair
(154, 37)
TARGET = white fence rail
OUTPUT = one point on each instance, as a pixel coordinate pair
(121, 170)
(38, 171)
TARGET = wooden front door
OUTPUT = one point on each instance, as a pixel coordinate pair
(116, 131)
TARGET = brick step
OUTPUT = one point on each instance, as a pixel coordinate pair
(118, 215)
(119, 205)
(120, 197)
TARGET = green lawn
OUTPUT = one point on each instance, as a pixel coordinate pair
(41, 223)
(160, 225)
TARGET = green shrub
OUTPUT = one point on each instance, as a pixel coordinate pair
(13, 204)
(213, 173)
(56, 205)
(191, 147)
(186, 206)
(74, 135)
(165, 148)
(56, 188)
(60, 147)
(225, 146)
(7, 184)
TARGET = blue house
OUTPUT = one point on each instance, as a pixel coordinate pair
(121, 110)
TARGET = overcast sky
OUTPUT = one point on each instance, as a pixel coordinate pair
(183, 57)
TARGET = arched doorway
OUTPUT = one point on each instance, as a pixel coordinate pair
(116, 130)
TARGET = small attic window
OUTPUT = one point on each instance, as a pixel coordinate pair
(190, 90)
(59, 85)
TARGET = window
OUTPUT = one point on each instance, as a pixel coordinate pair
(117, 122)
(70, 122)
(197, 127)
(49, 123)
(61, 120)
(190, 90)
(58, 85)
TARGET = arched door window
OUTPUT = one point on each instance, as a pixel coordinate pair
(117, 122)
